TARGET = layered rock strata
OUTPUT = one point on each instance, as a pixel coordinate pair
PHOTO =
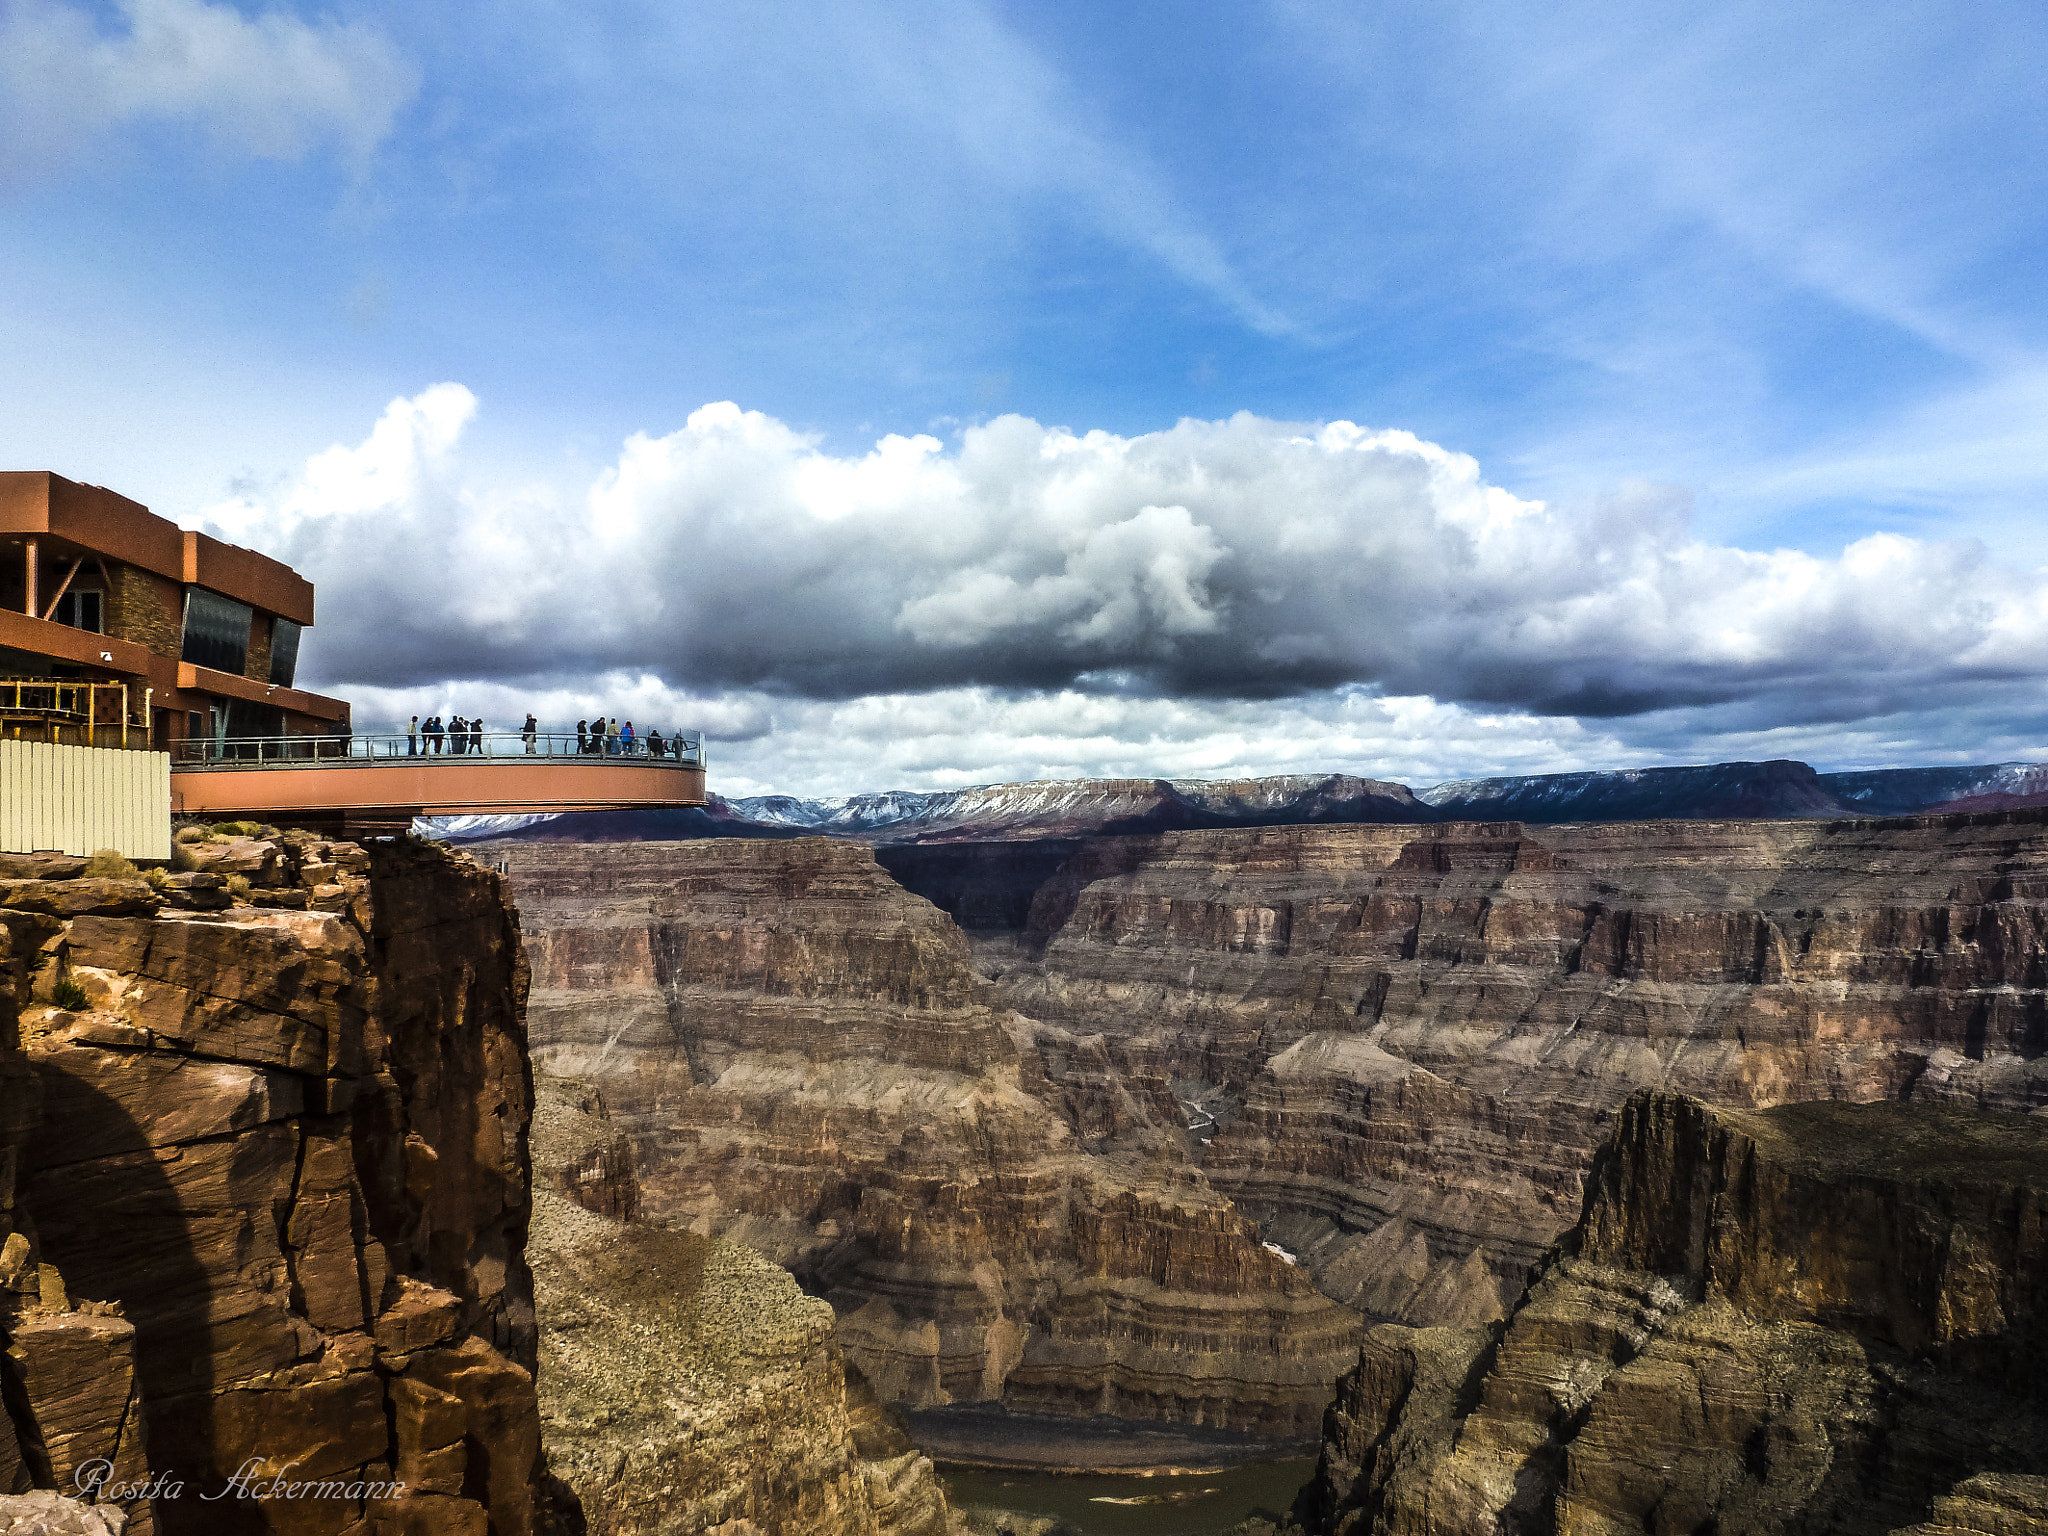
(268, 1118)
(808, 1063)
(687, 1383)
(1399, 1046)
(1816, 1318)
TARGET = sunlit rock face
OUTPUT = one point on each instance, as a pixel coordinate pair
(266, 1189)
(809, 1062)
(1823, 1317)
(1397, 1047)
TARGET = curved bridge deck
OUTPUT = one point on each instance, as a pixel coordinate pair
(379, 783)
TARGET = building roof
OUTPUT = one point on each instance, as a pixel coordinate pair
(38, 503)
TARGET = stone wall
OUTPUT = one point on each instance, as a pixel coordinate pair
(147, 609)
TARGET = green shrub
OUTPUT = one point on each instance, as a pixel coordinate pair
(238, 887)
(190, 835)
(70, 996)
(156, 877)
(109, 864)
(183, 858)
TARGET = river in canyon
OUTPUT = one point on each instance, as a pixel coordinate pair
(1126, 1504)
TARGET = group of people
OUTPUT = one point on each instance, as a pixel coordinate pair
(607, 738)
(456, 736)
(601, 737)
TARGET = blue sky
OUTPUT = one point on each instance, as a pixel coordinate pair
(1753, 279)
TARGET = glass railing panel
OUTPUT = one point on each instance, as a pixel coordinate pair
(510, 747)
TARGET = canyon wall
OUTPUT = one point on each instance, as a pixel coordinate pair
(1817, 1318)
(808, 1062)
(1125, 1158)
(1397, 1047)
(265, 1186)
(686, 1384)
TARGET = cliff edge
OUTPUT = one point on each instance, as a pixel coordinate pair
(265, 1191)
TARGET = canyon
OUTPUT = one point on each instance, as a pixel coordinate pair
(806, 1061)
(276, 1257)
(1573, 1177)
(1822, 1317)
(1163, 1145)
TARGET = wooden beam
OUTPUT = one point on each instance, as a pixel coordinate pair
(63, 587)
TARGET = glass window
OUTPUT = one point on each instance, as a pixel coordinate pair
(216, 631)
(284, 652)
(81, 610)
(245, 719)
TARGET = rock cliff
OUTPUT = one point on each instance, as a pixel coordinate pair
(686, 1382)
(1397, 1047)
(807, 1062)
(1816, 1318)
(265, 1190)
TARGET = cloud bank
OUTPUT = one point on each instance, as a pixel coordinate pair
(1231, 559)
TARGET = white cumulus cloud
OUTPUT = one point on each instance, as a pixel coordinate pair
(735, 573)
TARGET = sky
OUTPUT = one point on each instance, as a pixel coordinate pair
(913, 396)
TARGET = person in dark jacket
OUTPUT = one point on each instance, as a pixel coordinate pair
(582, 738)
(529, 732)
(655, 745)
(476, 735)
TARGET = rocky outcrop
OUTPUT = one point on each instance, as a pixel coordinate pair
(1815, 1318)
(43, 1513)
(1397, 1047)
(687, 1383)
(265, 1126)
(808, 1063)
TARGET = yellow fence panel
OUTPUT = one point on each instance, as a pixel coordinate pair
(83, 799)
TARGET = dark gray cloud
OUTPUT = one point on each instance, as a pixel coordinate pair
(1245, 559)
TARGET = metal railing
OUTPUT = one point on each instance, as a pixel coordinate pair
(75, 711)
(679, 751)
